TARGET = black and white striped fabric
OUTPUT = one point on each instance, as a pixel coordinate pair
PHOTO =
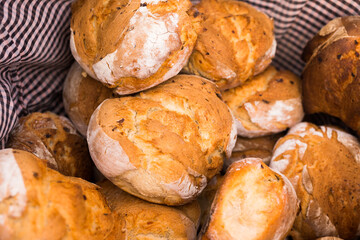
(35, 55)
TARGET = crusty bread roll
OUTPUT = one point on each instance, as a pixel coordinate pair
(235, 43)
(39, 203)
(81, 95)
(138, 219)
(253, 202)
(331, 80)
(260, 147)
(323, 164)
(266, 104)
(329, 238)
(54, 139)
(131, 45)
(165, 143)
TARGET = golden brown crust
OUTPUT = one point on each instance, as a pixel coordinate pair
(138, 219)
(260, 147)
(81, 95)
(330, 78)
(132, 45)
(145, 133)
(52, 206)
(268, 103)
(53, 138)
(253, 202)
(323, 165)
(228, 26)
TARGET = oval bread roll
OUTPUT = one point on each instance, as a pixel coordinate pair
(269, 103)
(323, 164)
(165, 143)
(235, 42)
(39, 203)
(253, 202)
(137, 219)
(131, 45)
(53, 138)
(81, 96)
(331, 79)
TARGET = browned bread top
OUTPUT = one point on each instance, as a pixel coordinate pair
(163, 144)
(131, 45)
(54, 139)
(268, 103)
(331, 82)
(253, 202)
(138, 219)
(81, 95)
(39, 203)
(235, 42)
(323, 164)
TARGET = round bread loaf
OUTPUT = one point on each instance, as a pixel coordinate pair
(131, 45)
(331, 79)
(253, 202)
(39, 203)
(260, 147)
(53, 138)
(81, 95)
(137, 219)
(235, 42)
(323, 164)
(165, 143)
(266, 104)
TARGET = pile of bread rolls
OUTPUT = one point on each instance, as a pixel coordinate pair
(179, 122)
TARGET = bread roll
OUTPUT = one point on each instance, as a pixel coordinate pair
(323, 164)
(235, 43)
(131, 45)
(54, 139)
(165, 143)
(39, 203)
(253, 202)
(329, 238)
(331, 83)
(138, 219)
(260, 147)
(81, 95)
(266, 104)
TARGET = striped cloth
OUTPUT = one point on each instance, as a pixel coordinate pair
(35, 55)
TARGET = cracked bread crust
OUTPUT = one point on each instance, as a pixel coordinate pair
(131, 45)
(235, 42)
(81, 96)
(37, 202)
(269, 103)
(253, 202)
(323, 164)
(53, 138)
(139, 219)
(163, 144)
(330, 79)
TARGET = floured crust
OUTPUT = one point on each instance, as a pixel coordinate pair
(131, 45)
(81, 95)
(135, 141)
(322, 164)
(53, 138)
(266, 104)
(260, 147)
(40, 203)
(138, 219)
(253, 202)
(235, 42)
(330, 79)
